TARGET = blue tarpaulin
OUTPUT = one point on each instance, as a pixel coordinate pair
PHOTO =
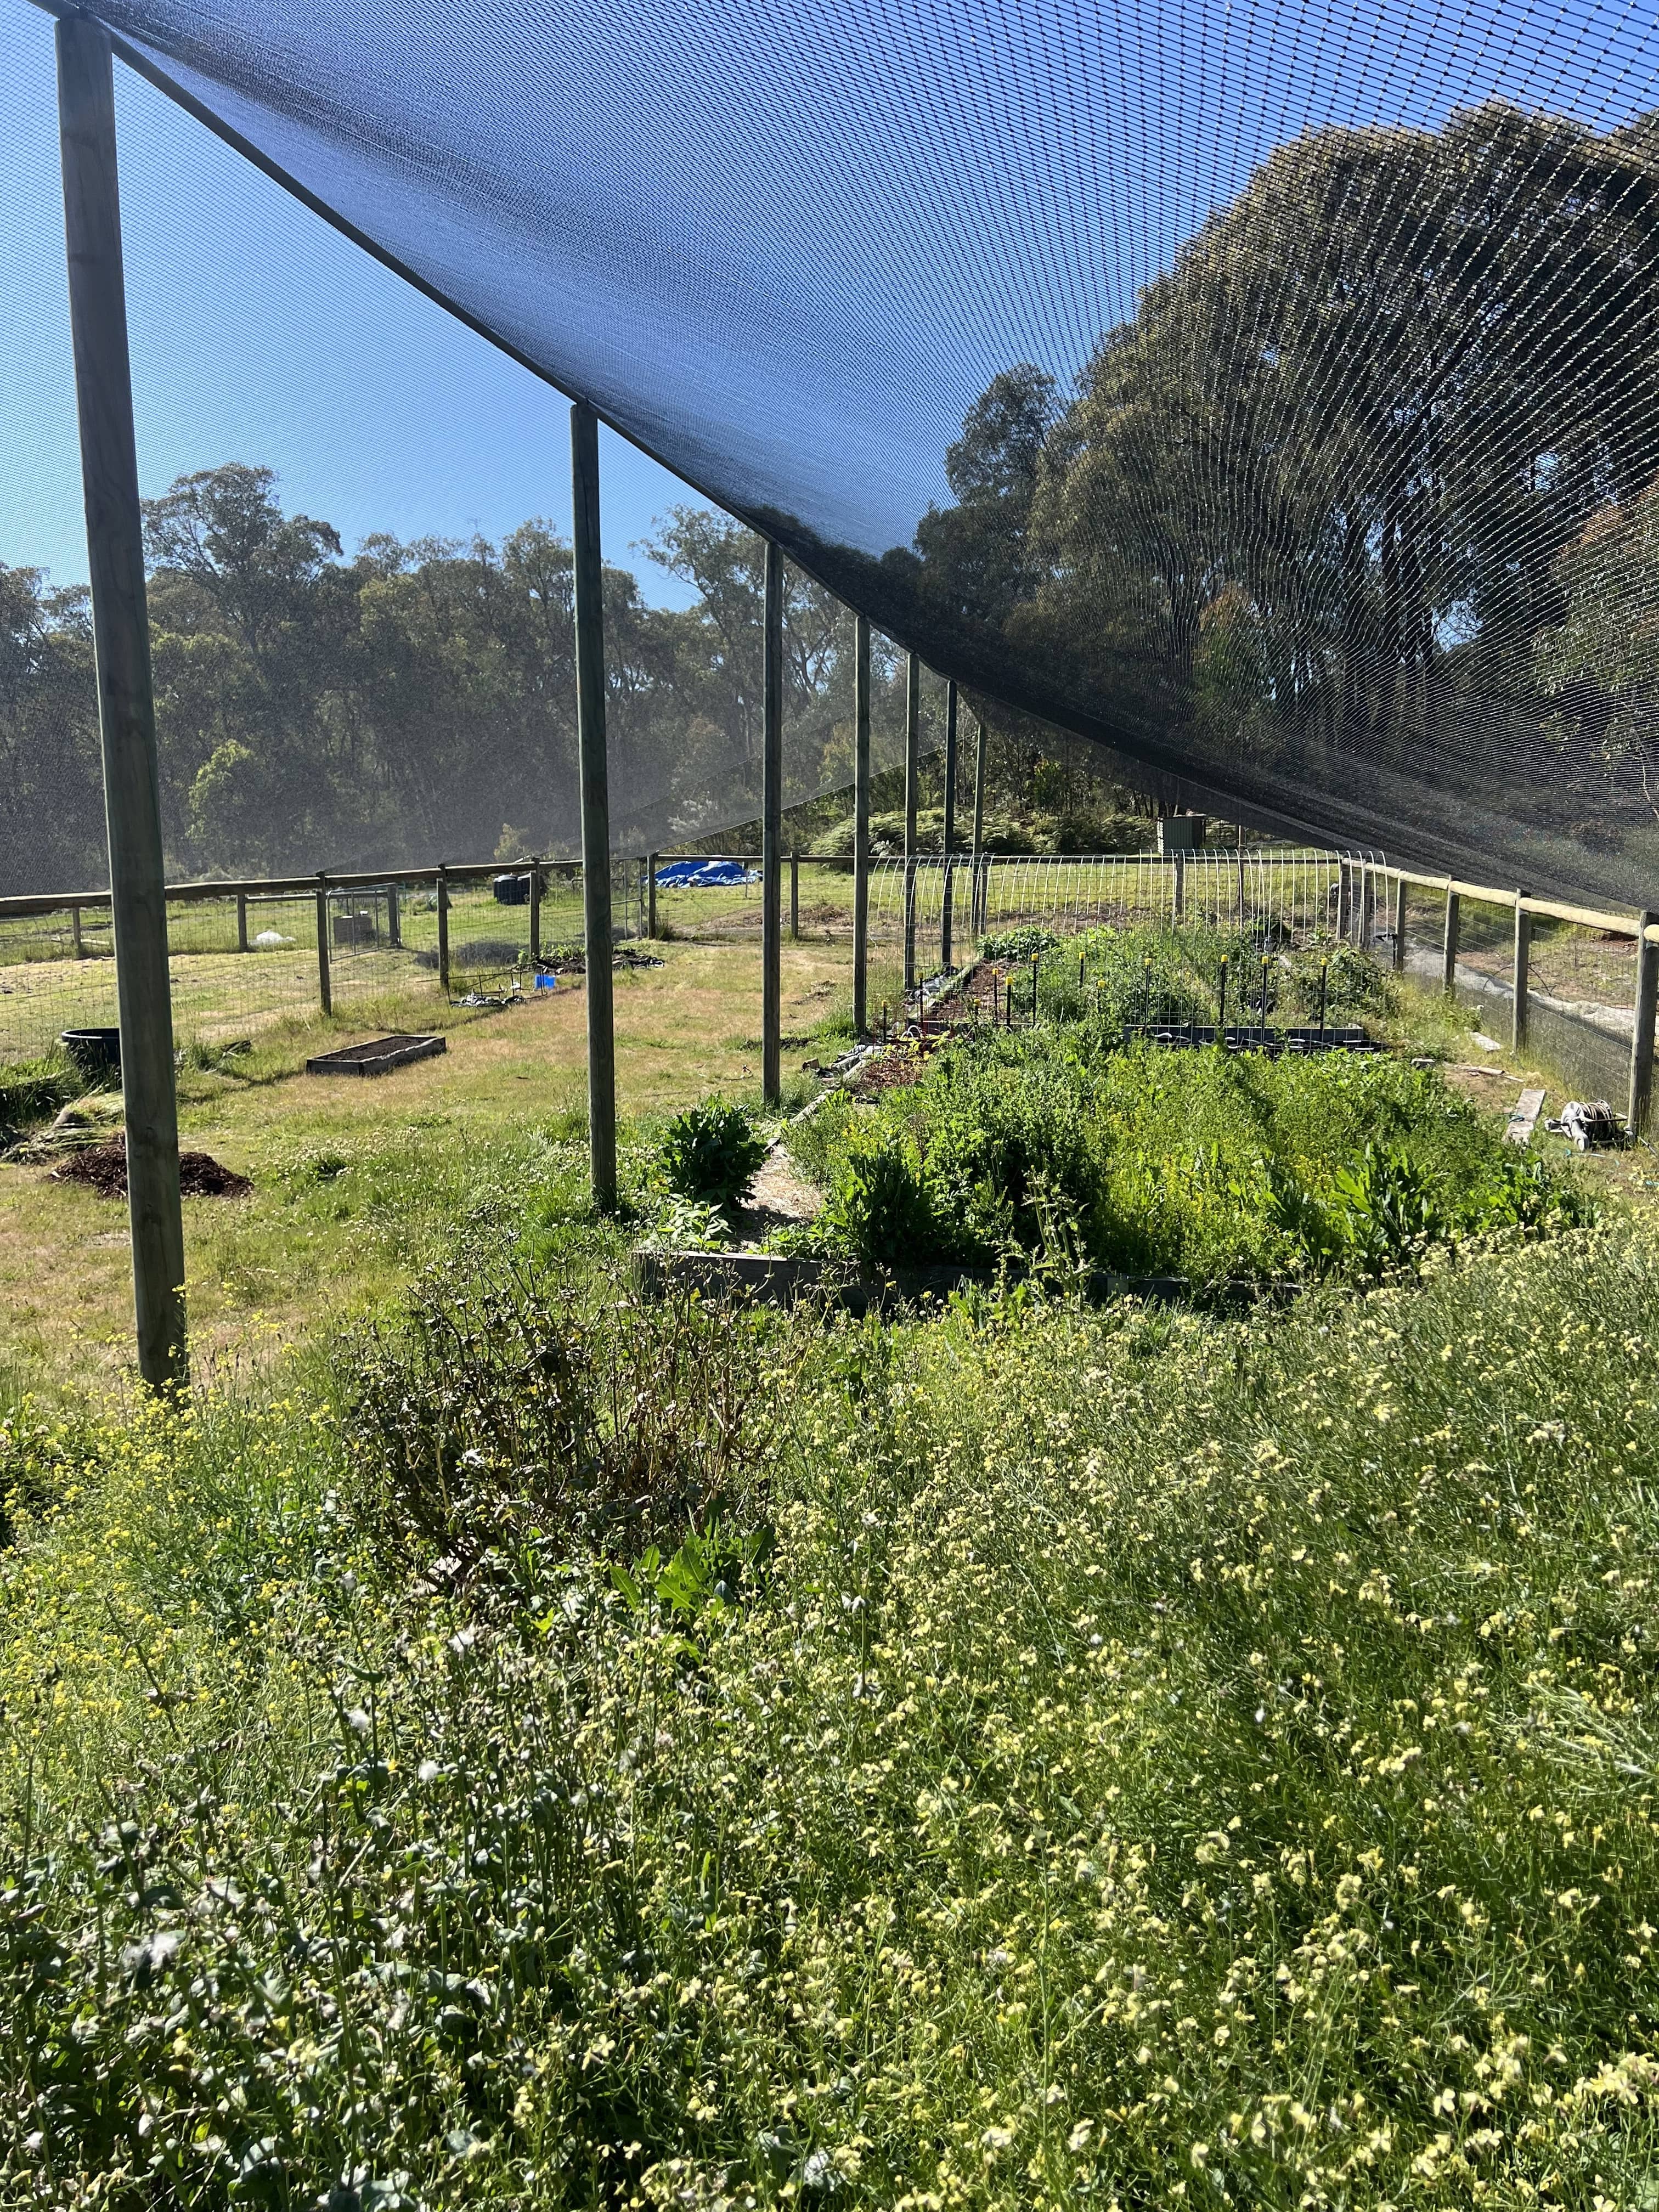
(685, 875)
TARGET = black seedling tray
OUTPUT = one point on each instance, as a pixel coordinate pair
(1238, 1038)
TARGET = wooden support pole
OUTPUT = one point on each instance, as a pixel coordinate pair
(860, 824)
(1522, 963)
(653, 862)
(394, 934)
(75, 932)
(1241, 879)
(772, 834)
(1399, 924)
(242, 921)
(126, 705)
(977, 906)
(536, 909)
(325, 982)
(1343, 900)
(947, 915)
(912, 775)
(595, 804)
(1641, 1042)
(1180, 891)
(794, 898)
(1449, 943)
(443, 928)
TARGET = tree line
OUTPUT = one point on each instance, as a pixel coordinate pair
(1360, 509)
(413, 700)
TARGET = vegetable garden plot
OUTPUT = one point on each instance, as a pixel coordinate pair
(1072, 1144)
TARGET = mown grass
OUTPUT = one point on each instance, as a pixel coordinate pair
(358, 1185)
(1082, 1758)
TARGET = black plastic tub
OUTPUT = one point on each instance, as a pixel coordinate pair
(93, 1053)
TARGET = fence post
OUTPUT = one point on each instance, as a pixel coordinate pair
(860, 823)
(126, 701)
(653, 860)
(595, 779)
(1367, 906)
(1399, 924)
(794, 897)
(241, 920)
(1240, 879)
(975, 923)
(325, 982)
(535, 909)
(443, 929)
(772, 831)
(912, 773)
(1522, 961)
(1449, 950)
(1344, 899)
(74, 930)
(1641, 1042)
(1180, 886)
(394, 932)
(947, 910)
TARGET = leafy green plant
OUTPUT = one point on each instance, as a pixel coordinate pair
(1522, 1190)
(1389, 1212)
(701, 1583)
(1297, 1214)
(1354, 985)
(687, 1225)
(880, 1205)
(711, 1152)
(1024, 943)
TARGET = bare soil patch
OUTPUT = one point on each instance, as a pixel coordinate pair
(105, 1168)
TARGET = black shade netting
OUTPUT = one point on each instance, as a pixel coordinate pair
(1270, 393)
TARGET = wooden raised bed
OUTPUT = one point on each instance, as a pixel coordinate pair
(777, 1278)
(377, 1057)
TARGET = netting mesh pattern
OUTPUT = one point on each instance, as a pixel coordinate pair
(1270, 393)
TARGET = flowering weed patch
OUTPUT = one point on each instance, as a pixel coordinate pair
(1152, 1761)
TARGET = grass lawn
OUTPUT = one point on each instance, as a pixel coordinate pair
(356, 1182)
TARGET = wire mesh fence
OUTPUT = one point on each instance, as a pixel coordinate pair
(1256, 929)
(1579, 1012)
(247, 959)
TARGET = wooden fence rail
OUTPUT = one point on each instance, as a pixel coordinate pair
(1365, 882)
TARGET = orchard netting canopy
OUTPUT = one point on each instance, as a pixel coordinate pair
(1268, 392)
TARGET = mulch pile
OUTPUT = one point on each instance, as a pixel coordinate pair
(104, 1167)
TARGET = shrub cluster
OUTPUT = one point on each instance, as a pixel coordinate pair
(510, 1404)
(710, 1153)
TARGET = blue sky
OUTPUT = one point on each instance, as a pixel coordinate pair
(259, 334)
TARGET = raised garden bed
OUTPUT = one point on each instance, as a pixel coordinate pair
(377, 1057)
(777, 1278)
